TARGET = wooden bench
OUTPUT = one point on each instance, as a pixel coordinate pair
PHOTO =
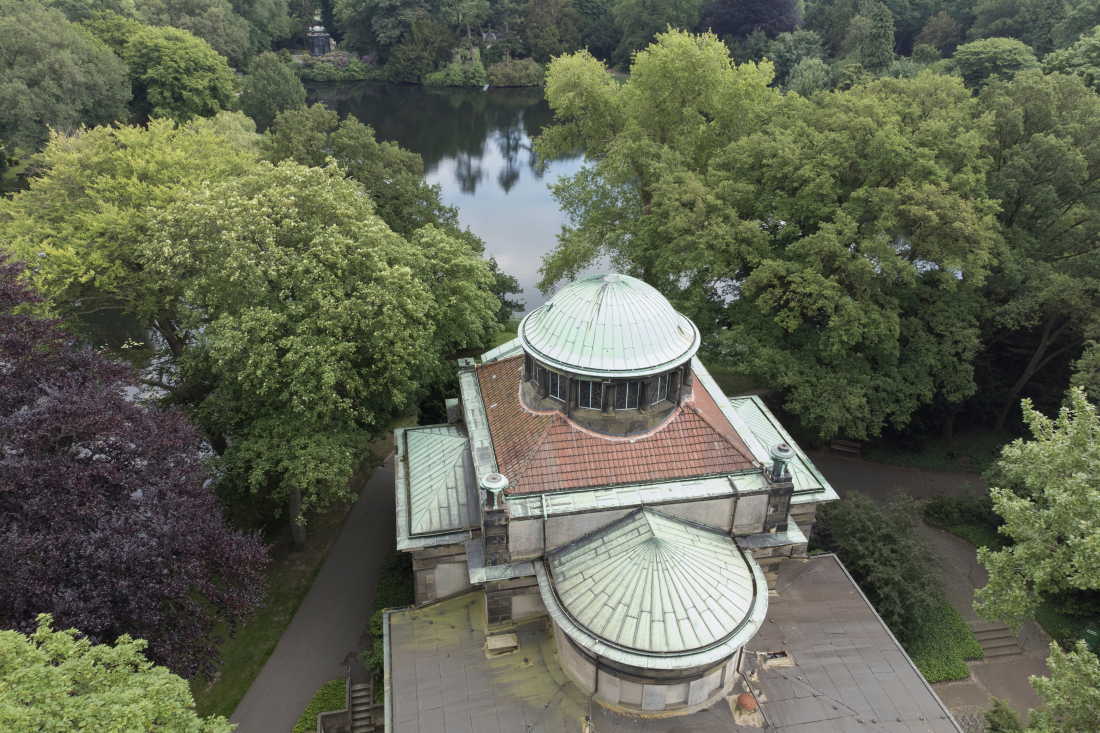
(849, 446)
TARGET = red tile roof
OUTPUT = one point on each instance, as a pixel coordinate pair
(547, 452)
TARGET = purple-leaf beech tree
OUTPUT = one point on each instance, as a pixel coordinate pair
(105, 519)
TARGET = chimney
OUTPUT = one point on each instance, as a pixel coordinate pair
(781, 455)
(493, 484)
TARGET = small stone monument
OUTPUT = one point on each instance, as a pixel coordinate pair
(318, 41)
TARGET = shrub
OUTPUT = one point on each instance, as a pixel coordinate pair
(886, 557)
(395, 589)
(926, 54)
(1001, 718)
(941, 645)
(971, 517)
(525, 73)
(458, 75)
(331, 696)
(338, 67)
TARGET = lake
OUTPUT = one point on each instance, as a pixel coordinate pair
(477, 146)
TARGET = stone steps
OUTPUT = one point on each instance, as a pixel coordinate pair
(362, 719)
(996, 639)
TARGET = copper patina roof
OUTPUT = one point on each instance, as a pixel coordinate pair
(548, 452)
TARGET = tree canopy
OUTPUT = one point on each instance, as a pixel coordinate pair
(1051, 511)
(270, 88)
(59, 679)
(979, 60)
(177, 75)
(51, 75)
(312, 322)
(108, 523)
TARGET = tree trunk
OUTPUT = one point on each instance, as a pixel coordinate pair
(297, 531)
(1037, 362)
(948, 427)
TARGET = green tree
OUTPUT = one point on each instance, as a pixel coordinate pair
(378, 25)
(313, 323)
(59, 680)
(1081, 59)
(810, 76)
(767, 224)
(877, 51)
(93, 206)
(551, 28)
(640, 21)
(1079, 21)
(1006, 57)
(509, 16)
(211, 20)
(52, 75)
(789, 49)
(177, 76)
(1042, 298)
(941, 32)
(271, 87)
(267, 20)
(1071, 695)
(113, 29)
(467, 13)
(1053, 517)
(885, 555)
(426, 45)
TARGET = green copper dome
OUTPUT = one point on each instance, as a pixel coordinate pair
(609, 326)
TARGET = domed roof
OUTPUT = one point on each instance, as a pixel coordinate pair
(655, 583)
(609, 326)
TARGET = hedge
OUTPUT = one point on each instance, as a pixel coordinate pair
(331, 696)
(395, 589)
(943, 643)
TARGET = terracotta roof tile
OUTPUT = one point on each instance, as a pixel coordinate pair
(547, 452)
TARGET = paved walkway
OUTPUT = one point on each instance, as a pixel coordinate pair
(324, 636)
(1003, 677)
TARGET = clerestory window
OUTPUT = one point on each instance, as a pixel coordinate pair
(626, 395)
(557, 385)
(660, 389)
(590, 394)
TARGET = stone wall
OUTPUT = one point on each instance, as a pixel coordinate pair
(512, 600)
(440, 572)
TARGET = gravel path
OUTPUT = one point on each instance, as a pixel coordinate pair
(323, 638)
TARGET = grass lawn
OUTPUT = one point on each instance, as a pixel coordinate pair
(289, 576)
(943, 645)
(970, 452)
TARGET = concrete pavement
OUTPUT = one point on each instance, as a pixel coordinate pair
(323, 638)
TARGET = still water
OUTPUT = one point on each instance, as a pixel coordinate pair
(477, 146)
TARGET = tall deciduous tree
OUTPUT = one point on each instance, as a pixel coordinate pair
(211, 20)
(107, 522)
(313, 323)
(1044, 295)
(51, 75)
(836, 245)
(177, 75)
(58, 679)
(1005, 57)
(941, 32)
(1071, 695)
(271, 87)
(550, 28)
(1081, 59)
(83, 220)
(1052, 516)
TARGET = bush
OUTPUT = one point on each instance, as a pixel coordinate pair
(1001, 718)
(339, 66)
(926, 54)
(458, 75)
(395, 590)
(942, 643)
(971, 517)
(525, 73)
(493, 54)
(331, 696)
(886, 557)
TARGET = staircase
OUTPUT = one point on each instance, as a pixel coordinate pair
(996, 639)
(361, 703)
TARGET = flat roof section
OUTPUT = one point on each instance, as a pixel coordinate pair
(439, 680)
(437, 500)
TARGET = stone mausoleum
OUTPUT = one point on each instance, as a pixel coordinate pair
(596, 504)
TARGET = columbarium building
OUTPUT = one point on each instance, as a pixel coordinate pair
(595, 503)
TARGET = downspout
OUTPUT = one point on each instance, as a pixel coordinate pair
(542, 502)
